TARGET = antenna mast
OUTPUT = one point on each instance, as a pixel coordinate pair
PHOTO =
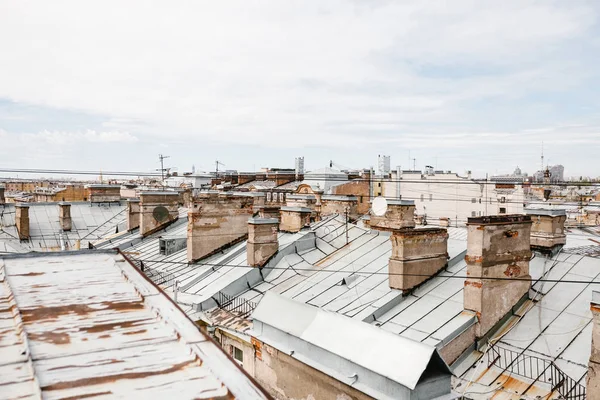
(162, 166)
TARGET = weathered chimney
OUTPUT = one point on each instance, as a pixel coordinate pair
(2, 195)
(593, 375)
(400, 214)
(293, 219)
(217, 221)
(22, 220)
(133, 214)
(262, 240)
(64, 216)
(417, 255)
(547, 229)
(245, 177)
(269, 212)
(497, 247)
(157, 210)
(104, 193)
(338, 204)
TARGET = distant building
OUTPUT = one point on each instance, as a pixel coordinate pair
(383, 165)
(557, 174)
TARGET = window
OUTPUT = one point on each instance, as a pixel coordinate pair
(422, 197)
(479, 201)
(281, 197)
(502, 210)
(473, 214)
(268, 196)
(502, 199)
(238, 354)
(473, 200)
(430, 197)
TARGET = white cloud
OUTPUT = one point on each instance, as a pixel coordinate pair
(292, 73)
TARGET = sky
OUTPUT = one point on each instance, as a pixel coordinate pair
(459, 85)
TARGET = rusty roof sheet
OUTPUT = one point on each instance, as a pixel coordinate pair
(89, 324)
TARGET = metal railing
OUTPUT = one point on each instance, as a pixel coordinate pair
(237, 305)
(160, 278)
(538, 369)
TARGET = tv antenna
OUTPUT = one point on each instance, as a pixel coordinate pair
(162, 166)
(217, 163)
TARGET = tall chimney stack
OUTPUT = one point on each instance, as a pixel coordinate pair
(22, 220)
(217, 221)
(133, 214)
(104, 193)
(497, 247)
(2, 201)
(157, 210)
(547, 229)
(262, 240)
(417, 255)
(64, 216)
(400, 214)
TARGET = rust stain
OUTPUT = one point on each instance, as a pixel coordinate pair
(475, 284)
(511, 234)
(107, 327)
(135, 332)
(99, 380)
(86, 396)
(52, 313)
(50, 337)
(512, 271)
(474, 259)
(30, 274)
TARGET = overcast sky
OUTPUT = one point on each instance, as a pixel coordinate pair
(469, 85)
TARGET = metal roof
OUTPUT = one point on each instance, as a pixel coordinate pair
(342, 336)
(90, 222)
(89, 324)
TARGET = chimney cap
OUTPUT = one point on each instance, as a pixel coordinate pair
(101, 186)
(552, 212)
(339, 197)
(263, 221)
(499, 219)
(22, 205)
(133, 200)
(64, 203)
(297, 209)
(156, 192)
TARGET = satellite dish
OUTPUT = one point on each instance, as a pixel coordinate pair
(379, 207)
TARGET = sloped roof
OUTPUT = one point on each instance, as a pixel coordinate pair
(89, 223)
(89, 324)
(342, 336)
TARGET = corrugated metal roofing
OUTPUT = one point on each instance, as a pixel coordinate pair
(84, 325)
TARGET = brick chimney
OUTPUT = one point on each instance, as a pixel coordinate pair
(293, 219)
(2, 195)
(245, 177)
(417, 255)
(262, 240)
(217, 221)
(269, 212)
(593, 375)
(133, 214)
(22, 220)
(400, 214)
(547, 229)
(157, 210)
(64, 216)
(497, 247)
(338, 204)
(104, 193)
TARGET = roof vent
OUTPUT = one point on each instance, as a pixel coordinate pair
(168, 246)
